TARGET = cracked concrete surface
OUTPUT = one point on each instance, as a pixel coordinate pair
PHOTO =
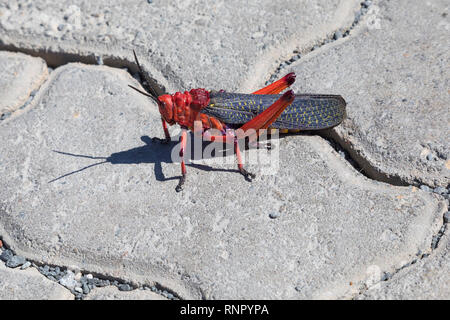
(29, 284)
(396, 77)
(84, 187)
(426, 279)
(21, 75)
(183, 43)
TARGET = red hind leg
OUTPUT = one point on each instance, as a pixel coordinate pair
(263, 120)
(229, 138)
(248, 176)
(278, 86)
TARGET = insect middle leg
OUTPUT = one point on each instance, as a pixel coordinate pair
(183, 139)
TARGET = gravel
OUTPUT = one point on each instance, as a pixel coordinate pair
(447, 217)
(86, 288)
(68, 280)
(6, 255)
(125, 287)
(80, 285)
(15, 261)
(440, 190)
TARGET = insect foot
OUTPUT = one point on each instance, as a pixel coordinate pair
(179, 187)
(247, 175)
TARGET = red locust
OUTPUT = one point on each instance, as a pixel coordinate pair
(200, 110)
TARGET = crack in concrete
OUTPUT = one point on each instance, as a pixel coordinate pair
(386, 276)
(30, 99)
(81, 282)
(338, 34)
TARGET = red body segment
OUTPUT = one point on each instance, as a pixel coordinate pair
(184, 109)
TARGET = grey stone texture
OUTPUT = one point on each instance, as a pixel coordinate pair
(191, 43)
(20, 76)
(29, 284)
(112, 293)
(428, 279)
(394, 74)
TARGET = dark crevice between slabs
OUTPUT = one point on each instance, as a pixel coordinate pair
(359, 162)
(55, 60)
(347, 152)
(58, 59)
(338, 34)
(81, 287)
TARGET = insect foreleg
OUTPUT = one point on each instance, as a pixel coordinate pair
(166, 133)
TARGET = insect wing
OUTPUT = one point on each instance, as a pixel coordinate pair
(307, 112)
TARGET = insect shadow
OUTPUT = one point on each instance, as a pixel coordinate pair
(151, 152)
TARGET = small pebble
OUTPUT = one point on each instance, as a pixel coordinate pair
(68, 280)
(425, 188)
(440, 190)
(430, 157)
(78, 296)
(78, 289)
(25, 265)
(86, 289)
(274, 215)
(447, 217)
(44, 269)
(6, 255)
(1, 244)
(99, 60)
(434, 242)
(15, 261)
(89, 276)
(385, 276)
(125, 287)
(103, 283)
(367, 3)
(337, 35)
